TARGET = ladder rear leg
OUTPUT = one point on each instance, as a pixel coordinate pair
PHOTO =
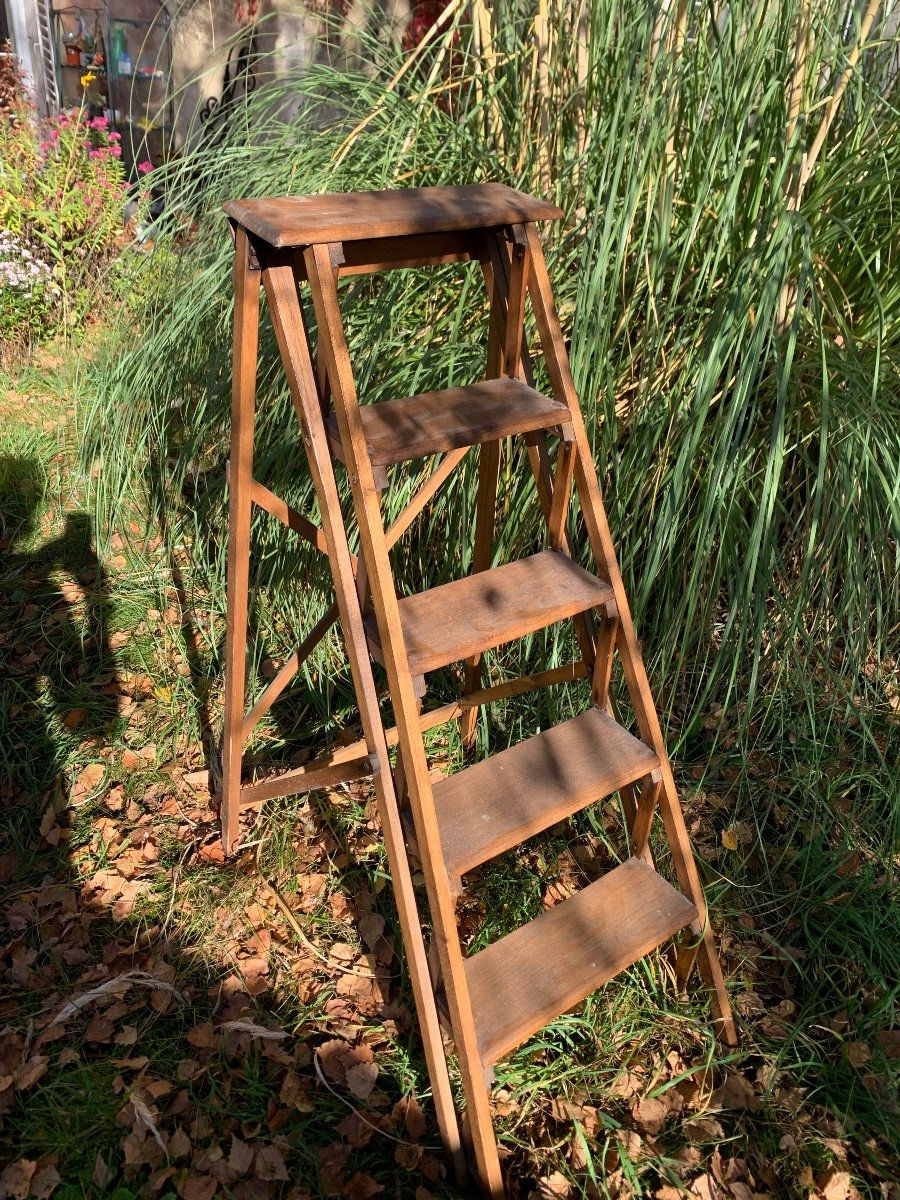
(240, 475)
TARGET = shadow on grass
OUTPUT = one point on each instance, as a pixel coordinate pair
(159, 1039)
(57, 661)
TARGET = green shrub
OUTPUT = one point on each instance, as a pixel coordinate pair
(62, 200)
(29, 299)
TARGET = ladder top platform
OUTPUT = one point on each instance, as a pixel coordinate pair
(355, 216)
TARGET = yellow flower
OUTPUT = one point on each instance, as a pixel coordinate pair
(87, 77)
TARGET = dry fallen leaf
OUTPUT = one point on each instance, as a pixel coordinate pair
(553, 1186)
(130, 761)
(241, 1157)
(211, 853)
(414, 1119)
(295, 1092)
(704, 1188)
(44, 1183)
(361, 1079)
(332, 1056)
(87, 782)
(361, 1187)
(199, 1187)
(703, 1129)
(649, 1114)
(16, 1179)
(270, 1164)
(735, 1092)
(28, 1074)
(101, 1174)
(858, 1053)
(202, 1036)
(834, 1184)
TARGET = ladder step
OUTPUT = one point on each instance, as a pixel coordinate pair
(526, 980)
(456, 620)
(504, 800)
(435, 422)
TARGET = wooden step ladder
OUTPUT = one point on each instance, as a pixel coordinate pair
(498, 997)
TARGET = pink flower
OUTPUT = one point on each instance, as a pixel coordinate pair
(145, 167)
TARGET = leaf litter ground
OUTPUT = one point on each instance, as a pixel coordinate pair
(179, 1025)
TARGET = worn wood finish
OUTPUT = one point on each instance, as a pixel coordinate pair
(349, 216)
(603, 659)
(321, 268)
(367, 256)
(435, 422)
(505, 993)
(546, 967)
(645, 809)
(479, 612)
(562, 490)
(287, 318)
(304, 779)
(240, 475)
(496, 804)
(516, 291)
(497, 269)
(525, 683)
(488, 469)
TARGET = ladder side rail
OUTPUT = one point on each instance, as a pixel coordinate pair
(240, 481)
(636, 680)
(321, 267)
(287, 318)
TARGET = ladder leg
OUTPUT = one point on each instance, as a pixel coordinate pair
(240, 473)
(603, 661)
(281, 291)
(488, 479)
(689, 881)
(553, 344)
(485, 510)
(645, 807)
(321, 271)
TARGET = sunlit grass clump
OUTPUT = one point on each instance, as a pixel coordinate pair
(733, 310)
